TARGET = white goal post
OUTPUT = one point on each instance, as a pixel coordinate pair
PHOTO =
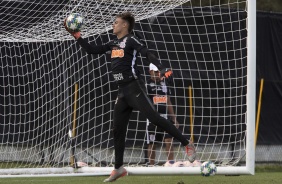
(56, 102)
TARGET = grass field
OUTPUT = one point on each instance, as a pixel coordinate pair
(263, 175)
(258, 178)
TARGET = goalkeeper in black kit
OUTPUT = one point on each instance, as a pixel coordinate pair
(132, 92)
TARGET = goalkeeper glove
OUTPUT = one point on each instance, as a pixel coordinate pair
(167, 74)
(76, 35)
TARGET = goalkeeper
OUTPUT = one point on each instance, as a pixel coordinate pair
(159, 93)
(131, 92)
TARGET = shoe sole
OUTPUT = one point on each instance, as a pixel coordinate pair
(123, 174)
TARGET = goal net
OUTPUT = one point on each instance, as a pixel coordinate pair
(56, 101)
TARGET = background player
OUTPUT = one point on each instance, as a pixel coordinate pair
(159, 93)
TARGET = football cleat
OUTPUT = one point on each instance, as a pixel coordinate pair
(116, 174)
(191, 152)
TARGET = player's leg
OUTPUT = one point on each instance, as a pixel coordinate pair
(169, 148)
(120, 121)
(152, 153)
(168, 140)
(139, 100)
(121, 117)
(145, 107)
(151, 137)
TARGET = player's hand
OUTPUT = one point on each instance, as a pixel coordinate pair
(166, 73)
(76, 35)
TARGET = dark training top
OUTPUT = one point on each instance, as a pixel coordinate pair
(159, 93)
(123, 56)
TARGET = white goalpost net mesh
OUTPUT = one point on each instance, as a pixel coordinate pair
(56, 102)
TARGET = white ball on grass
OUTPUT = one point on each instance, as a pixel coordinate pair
(208, 168)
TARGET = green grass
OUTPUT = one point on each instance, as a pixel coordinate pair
(269, 168)
(260, 177)
(265, 174)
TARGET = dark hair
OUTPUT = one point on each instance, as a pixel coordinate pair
(129, 17)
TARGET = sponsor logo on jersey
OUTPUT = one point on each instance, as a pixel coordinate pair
(159, 88)
(160, 99)
(122, 44)
(162, 87)
(117, 53)
(118, 76)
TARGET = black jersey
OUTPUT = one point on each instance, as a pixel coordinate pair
(123, 56)
(159, 92)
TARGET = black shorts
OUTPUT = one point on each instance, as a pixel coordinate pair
(156, 134)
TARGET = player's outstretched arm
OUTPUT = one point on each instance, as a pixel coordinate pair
(90, 49)
(171, 112)
(164, 72)
(151, 58)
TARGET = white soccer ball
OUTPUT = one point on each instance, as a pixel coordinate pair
(178, 164)
(208, 168)
(74, 22)
(169, 163)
